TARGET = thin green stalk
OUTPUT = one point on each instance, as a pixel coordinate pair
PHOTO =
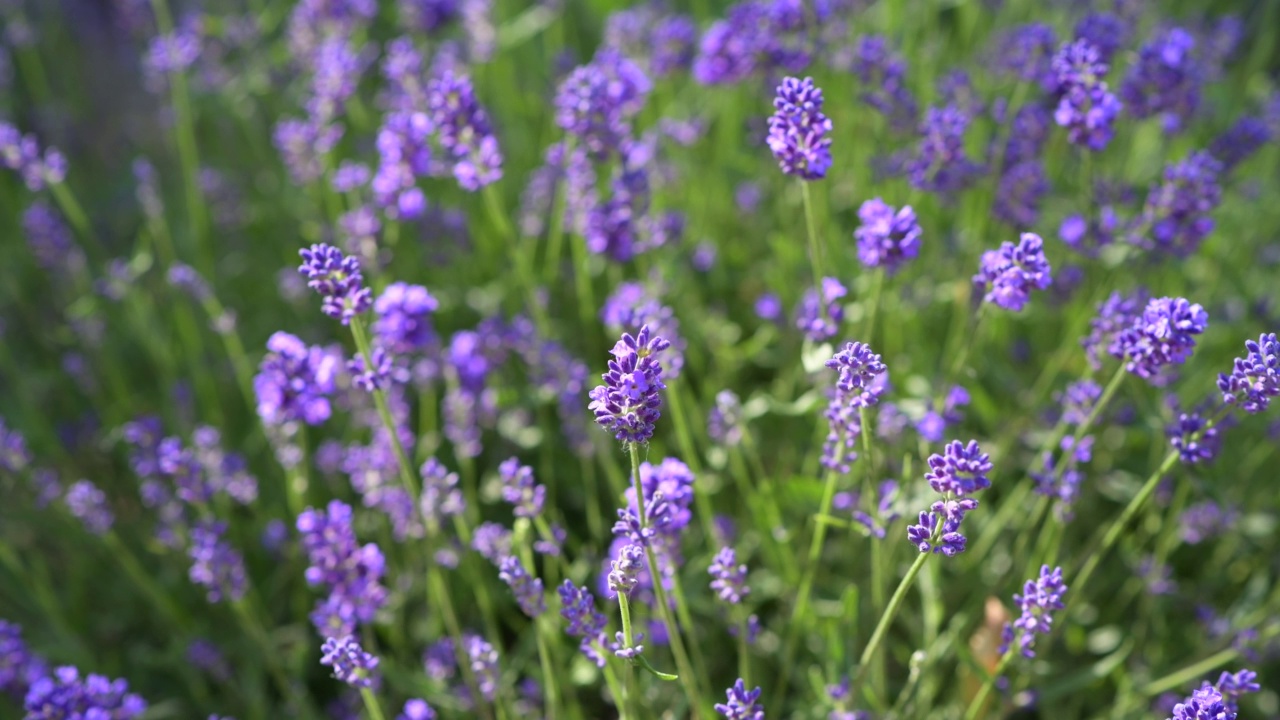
(689, 451)
(523, 256)
(1189, 674)
(886, 619)
(75, 214)
(687, 678)
(384, 411)
(815, 551)
(440, 596)
(744, 657)
(869, 328)
(615, 688)
(1117, 527)
(979, 700)
(628, 637)
(145, 582)
(251, 621)
(582, 282)
(815, 250)
(371, 704)
(555, 231)
(549, 681)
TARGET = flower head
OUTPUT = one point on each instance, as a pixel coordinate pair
(336, 277)
(820, 312)
(294, 382)
(1163, 335)
(527, 589)
(886, 237)
(403, 321)
(1085, 106)
(1039, 598)
(88, 503)
(1254, 378)
(628, 403)
(798, 130)
(350, 663)
(729, 579)
(1008, 275)
(741, 704)
(624, 574)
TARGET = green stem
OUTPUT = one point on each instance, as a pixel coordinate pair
(371, 704)
(628, 638)
(980, 699)
(384, 411)
(548, 673)
(869, 331)
(886, 619)
(74, 213)
(1190, 673)
(815, 251)
(1117, 527)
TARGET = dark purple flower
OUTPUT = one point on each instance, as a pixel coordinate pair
(628, 403)
(1026, 52)
(1008, 275)
(883, 76)
(1039, 598)
(521, 489)
(349, 572)
(1163, 335)
(86, 502)
(741, 704)
(50, 239)
(350, 663)
(464, 131)
(1240, 141)
(1233, 685)
(886, 237)
(578, 608)
(416, 709)
(404, 155)
(1105, 31)
(860, 383)
(336, 277)
(728, 578)
(526, 588)
(597, 101)
(294, 382)
(403, 321)
(1195, 440)
(940, 164)
(215, 564)
(303, 145)
(1115, 315)
(1165, 80)
(1018, 198)
(380, 376)
(725, 421)
(798, 130)
(961, 469)
(1203, 704)
(65, 695)
(1177, 210)
(1255, 377)
(1086, 107)
(206, 656)
(820, 316)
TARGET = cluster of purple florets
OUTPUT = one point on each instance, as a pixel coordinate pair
(956, 474)
(863, 378)
(337, 278)
(1161, 336)
(1039, 599)
(886, 237)
(1010, 274)
(350, 573)
(798, 130)
(1085, 107)
(628, 402)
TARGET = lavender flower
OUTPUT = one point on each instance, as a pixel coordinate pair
(1026, 52)
(883, 75)
(741, 704)
(798, 130)
(14, 455)
(959, 472)
(404, 156)
(19, 667)
(1194, 438)
(940, 164)
(21, 153)
(1085, 106)
(1205, 520)
(1018, 197)
(1240, 141)
(215, 564)
(729, 579)
(527, 589)
(596, 102)
(376, 378)
(86, 502)
(336, 277)
(1255, 377)
(725, 423)
(520, 489)
(464, 130)
(624, 574)
(441, 496)
(1233, 685)
(350, 573)
(1203, 704)
(1177, 210)
(1115, 315)
(484, 664)
(294, 382)
(350, 663)
(1105, 31)
(1039, 598)
(492, 541)
(886, 237)
(578, 608)
(1165, 80)
(627, 404)
(1012, 272)
(416, 709)
(64, 694)
(862, 380)
(820, 316)
(1163, 335)
(403, 323)
(624, 651)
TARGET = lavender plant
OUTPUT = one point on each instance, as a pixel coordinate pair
(835, 472)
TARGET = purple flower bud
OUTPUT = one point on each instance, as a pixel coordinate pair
(350, 663)
(1039, 598)
(741, 704)
(798, 130)
(729, 579)
(886, 238)
(1008, 275)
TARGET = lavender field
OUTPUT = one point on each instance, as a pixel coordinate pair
(571, 359)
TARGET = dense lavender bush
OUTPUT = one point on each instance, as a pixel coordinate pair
(935, 344)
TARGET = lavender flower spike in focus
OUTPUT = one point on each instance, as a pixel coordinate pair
(336, 277)
(627, 404)
(1039, 598)
(350, 663)
(1254, 378)
(862, 380)
(1008, 275)
(798, 130)
(1086, 108)
(959, 472)
(1163, 335)
(741, 704)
